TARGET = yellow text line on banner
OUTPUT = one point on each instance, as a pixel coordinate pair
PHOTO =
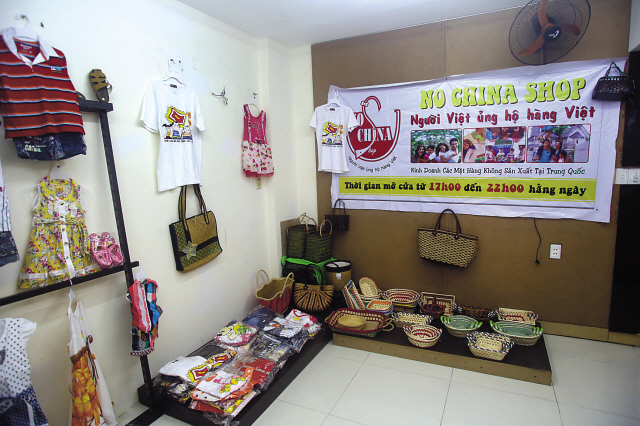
(520, 189)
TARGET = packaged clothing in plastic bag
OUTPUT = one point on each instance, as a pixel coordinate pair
(192, 369)
(283, 328)
(223, 385)
(264, 370)
(175, 387)
(269, 347)
(259, 317)
(236, 333)
(310, 323)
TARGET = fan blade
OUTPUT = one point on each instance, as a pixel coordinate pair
(533, 47)
(542, 13)
(571, 28)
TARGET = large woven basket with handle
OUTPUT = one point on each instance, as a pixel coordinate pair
(275, 294)
(447, 247)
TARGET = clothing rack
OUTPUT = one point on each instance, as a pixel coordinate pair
(102, 108)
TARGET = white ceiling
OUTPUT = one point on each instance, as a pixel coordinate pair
(296, 23)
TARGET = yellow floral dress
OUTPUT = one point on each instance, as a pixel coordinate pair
(59, 244)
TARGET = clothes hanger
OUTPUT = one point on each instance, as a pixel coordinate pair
(173, 73)
(57, 172)
(333, 99)
(26, 32)
(254, 102)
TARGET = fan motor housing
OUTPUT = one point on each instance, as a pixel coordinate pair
(552, 33)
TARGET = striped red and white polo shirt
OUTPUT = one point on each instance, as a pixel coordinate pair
(36, 94)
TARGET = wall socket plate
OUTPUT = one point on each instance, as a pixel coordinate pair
(556, 251)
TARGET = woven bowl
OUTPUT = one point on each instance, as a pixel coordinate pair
(422, 336)
(433, 310)
(352, 322)
(489, 345)
(400, 319)
(517, 315)
(446, 300)
(401, 296)
(521, 334)
(460, 325)
(475, 312)
(383, 306)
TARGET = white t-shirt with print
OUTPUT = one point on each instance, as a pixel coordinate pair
(332, 123)
(175, 113)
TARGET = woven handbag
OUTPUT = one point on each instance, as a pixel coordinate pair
(312, 295)
(446, 247)
(194, 240)
(275, 294)
(318, 245)
(297, 235)
(613, 88)
(339, 218)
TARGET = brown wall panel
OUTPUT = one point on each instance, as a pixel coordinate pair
(383, 245)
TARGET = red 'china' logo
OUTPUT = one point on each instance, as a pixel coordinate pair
(369, 142)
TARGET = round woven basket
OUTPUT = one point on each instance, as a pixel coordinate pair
(489, 345)
(460, 325)
(422, 336)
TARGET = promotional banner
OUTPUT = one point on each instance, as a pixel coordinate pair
(520, 142)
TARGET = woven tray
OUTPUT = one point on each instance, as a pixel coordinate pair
(521, 334)
(383, 306)
(518, 315)
(400, 319)
(422, 336)
(489, 345)
(374, 322)
(368, 288)
(460, 325)
(446, 300)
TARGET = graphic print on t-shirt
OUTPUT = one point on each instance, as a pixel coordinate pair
(332, 134)
(179, 127)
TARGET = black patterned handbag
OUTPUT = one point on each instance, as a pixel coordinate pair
(338, 217)
(614, 87)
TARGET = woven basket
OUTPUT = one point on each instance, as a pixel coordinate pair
(318, 246)
(445, 300)
(369, 290)
(403, 300)
(338, 273)
(351, 322)
(422, 336)
(297, 235)
(433, 310)
(447, 247)
(400, 319)
(373, 324)
(383, 306)
(489, 345)
(475, 312)
(517, 315)
(460, 325)
(276, 293)
(521, 334)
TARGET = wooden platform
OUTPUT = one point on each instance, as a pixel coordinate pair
(527, 363)
(294, 365)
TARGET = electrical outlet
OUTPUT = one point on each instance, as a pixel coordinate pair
(634, 177)
(622, 176)
(258, 183)
(556, 250)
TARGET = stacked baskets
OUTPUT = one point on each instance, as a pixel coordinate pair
(489, 345)
(422, 336)
(460, 325)
(403, 300)
(369, 290)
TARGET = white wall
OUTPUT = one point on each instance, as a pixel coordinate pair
(131, 42)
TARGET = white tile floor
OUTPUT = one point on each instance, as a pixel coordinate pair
(594, 384)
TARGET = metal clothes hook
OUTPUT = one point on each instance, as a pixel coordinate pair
(222, 95)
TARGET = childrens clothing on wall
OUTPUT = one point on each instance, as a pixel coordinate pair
(332, 123)
(38, 100)
(174, 112)
(59, 244)
(90, 403)
(8, 249)
(146, 313)
(256, 153)
(18, 403)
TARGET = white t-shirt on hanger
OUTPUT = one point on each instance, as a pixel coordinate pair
(332, 123)
(174, 111)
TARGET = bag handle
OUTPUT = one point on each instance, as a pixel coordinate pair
(307, 223)
(182, 205)
(330, 229)
(458, 229)
(300, 218)
(258, 274)
(614, 65)
(336, 206)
